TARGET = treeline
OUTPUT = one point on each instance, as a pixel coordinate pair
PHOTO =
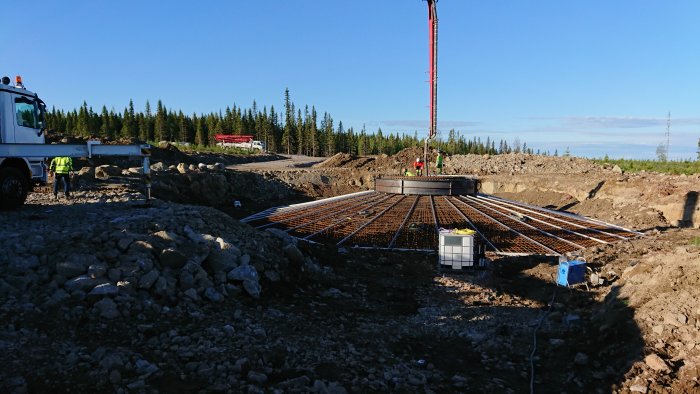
(675, 167)
(293, 132)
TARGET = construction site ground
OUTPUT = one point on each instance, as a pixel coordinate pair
(104, 292)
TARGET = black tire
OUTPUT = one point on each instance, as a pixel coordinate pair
(14, 187)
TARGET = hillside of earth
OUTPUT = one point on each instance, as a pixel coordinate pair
(109, 292)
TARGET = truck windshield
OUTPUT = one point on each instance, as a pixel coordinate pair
(29, 113)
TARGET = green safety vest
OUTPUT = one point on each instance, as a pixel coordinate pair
(61, 165)
(439, 160)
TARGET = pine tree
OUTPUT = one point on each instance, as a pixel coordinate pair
(308, 140)
(182, 127)
(275, 137)
(125, 130)
(313, 132)
(380, 141)
(288, 133)
(82, 124)
(160, 122)
(299, 133)
(146, 126)
(328, 134)
(133, 124)
(106, 129)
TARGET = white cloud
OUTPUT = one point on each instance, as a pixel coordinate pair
(623, 122)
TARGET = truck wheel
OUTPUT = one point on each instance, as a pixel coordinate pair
(14, 187)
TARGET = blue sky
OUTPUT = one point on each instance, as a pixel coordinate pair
(596, 76)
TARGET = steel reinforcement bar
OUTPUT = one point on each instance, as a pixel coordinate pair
(362, 226)
(323, 223)
(564, 223)
(293, 222)
(506, 239)
(381, 231)
(624, 233)
(449, 210)
(288, 208)
(548, 240)
(577, 239)
(419, 232)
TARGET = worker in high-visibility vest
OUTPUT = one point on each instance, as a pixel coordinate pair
(406, 172)
(61, 168)
(438, 162)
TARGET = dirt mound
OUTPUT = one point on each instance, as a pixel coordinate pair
(519, 163)
(101, 287)
(105, 293)
(345, 160)
(512, 163)
(171, 154)
(409, 156)
(377, 164)
(659, 278)
(337, 160)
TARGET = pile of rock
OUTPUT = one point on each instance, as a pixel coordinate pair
(520, 163)
(512, 163)
(166, 254)
(207, 184)
(101, 268)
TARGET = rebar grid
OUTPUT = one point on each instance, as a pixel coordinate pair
(322, 224)
(419, 232)
(382, 230)
(533, 233)
(503, 237)
(572, 222)
(397, 221)
(566, 230)
(310, 212)
(348, 224)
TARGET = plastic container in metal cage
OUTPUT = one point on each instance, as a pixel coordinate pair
(457, 251)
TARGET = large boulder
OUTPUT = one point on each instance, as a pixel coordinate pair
(85, 174)
(172, 258)
(75, 265)
(249, 276)
(106, 171)
(158, 166)
(223, 257)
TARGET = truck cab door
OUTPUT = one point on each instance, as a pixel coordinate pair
(28, 120)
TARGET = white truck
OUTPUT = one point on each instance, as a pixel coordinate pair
(252, 145)
(23, 148)
(239, 141)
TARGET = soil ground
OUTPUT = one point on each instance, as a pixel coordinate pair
(378, 321)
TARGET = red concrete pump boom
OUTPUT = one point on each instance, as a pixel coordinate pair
(231, 138)
(433, 35)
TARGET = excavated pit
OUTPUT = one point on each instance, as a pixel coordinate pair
(408, 212)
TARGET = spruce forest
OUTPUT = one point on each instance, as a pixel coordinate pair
(295, 131)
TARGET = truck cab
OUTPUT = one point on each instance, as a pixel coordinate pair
(21, 122)
(23, 150)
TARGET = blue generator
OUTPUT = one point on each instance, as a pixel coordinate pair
(571, 272)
